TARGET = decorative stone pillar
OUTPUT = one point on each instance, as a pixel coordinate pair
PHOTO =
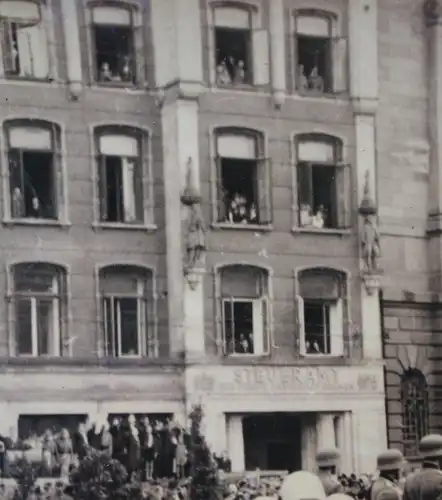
(308, 442)
(277, 51)
(235, 442)
(215, 430)
(325, 431)
(364, 94)
(72, 46)
(432, 11)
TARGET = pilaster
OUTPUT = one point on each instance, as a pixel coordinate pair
(235, 442)
(325, 431)
(277, 51)
(72, 46)
(308, 442)
(364, 94)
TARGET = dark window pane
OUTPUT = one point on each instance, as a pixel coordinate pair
(129, 327)
(23, 326)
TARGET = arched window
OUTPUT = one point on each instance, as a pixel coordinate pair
(25, 44)
(35, 169)
(241, 48)
(39, 303)
(321, 53)
(242, 178)
(124, 175)
(415, 411)
(128, 311)
(244, 303)
(322, 309)
(323, 183)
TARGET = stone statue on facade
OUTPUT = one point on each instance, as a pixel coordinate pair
(195, 239)
(370, 236)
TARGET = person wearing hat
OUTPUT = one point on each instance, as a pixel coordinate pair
(389, 464)
(327, 462)
(426, 484)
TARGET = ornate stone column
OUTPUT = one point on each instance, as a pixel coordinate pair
(325, 431)
(364, 94)
(235, 442)
(71, 32)
(432, 11)
(277, 51)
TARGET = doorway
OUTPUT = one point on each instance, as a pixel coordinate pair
(272, 441)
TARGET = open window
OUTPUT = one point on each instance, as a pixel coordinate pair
(415, 410)
(321, 53)
(35, 173)
(241, 49)
(322, 310)
(323, 183)
(243, 178)
(39, 300)
(24, 39)
(245, 310)
(113, 44)
(123, 175)
(128, 315)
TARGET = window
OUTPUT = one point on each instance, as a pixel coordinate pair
(415, 410)
(321, 55)
(323, 184)
(123, 187)
(128, 315)
(322, 311)
(113, 39)
(240, 46)
(243, 178)
(244, 310)
(39, 300)
(35, 170)
(24, 39)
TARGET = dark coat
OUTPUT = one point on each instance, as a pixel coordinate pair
(79, 444)
(118, 443)
(133, 449)
(425, 484)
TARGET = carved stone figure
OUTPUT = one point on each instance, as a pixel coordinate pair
(371, 249)
(196, 236)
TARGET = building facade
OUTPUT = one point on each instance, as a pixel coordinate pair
(409, 154)
(180, 190)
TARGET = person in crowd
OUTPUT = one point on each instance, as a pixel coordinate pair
(426, 484)
(65, 452)
(181, 454)
(390, 464)
(118, 441)
(327, 462)
(132, 446)
(49, 453)
(149, 448)
(106, 438)
(80, 441)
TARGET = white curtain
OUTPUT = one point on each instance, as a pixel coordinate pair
(32, 47)
(128, 175)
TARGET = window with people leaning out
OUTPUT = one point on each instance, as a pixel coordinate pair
(25, 46)
(242, 178)
(113, 44)
(241, 50)
(245, 310)
(33, 149)
(323, 183)
(322, 308)
(320, 54)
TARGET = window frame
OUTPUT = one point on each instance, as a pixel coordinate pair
(256, 26)
(337, 33)
(265, 297)
(144, 163)
(139, 44)
(339, 348)
(47, 20)
(343, 195)
(59, 299)
(263, 166)
(147, 294)
(59, 172)
(414, 379)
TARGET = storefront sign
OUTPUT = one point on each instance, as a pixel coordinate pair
(287, 380)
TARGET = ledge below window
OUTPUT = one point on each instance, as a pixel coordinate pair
(323, 231)
(242, 227)
(321, 96)
(37, 222)
(121, 225)
(121, 88)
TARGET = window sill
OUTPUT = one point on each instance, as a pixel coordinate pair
(242, 89)
(321, 356)
(53, 82)
(123, 226)
(120, 87)
(335, 96)
(313, 230)
(242, 357)
(36, 222)
(241, 227)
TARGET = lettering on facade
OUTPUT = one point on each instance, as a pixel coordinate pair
(286, 379)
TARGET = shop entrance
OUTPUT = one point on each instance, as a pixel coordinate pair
(272, 441)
